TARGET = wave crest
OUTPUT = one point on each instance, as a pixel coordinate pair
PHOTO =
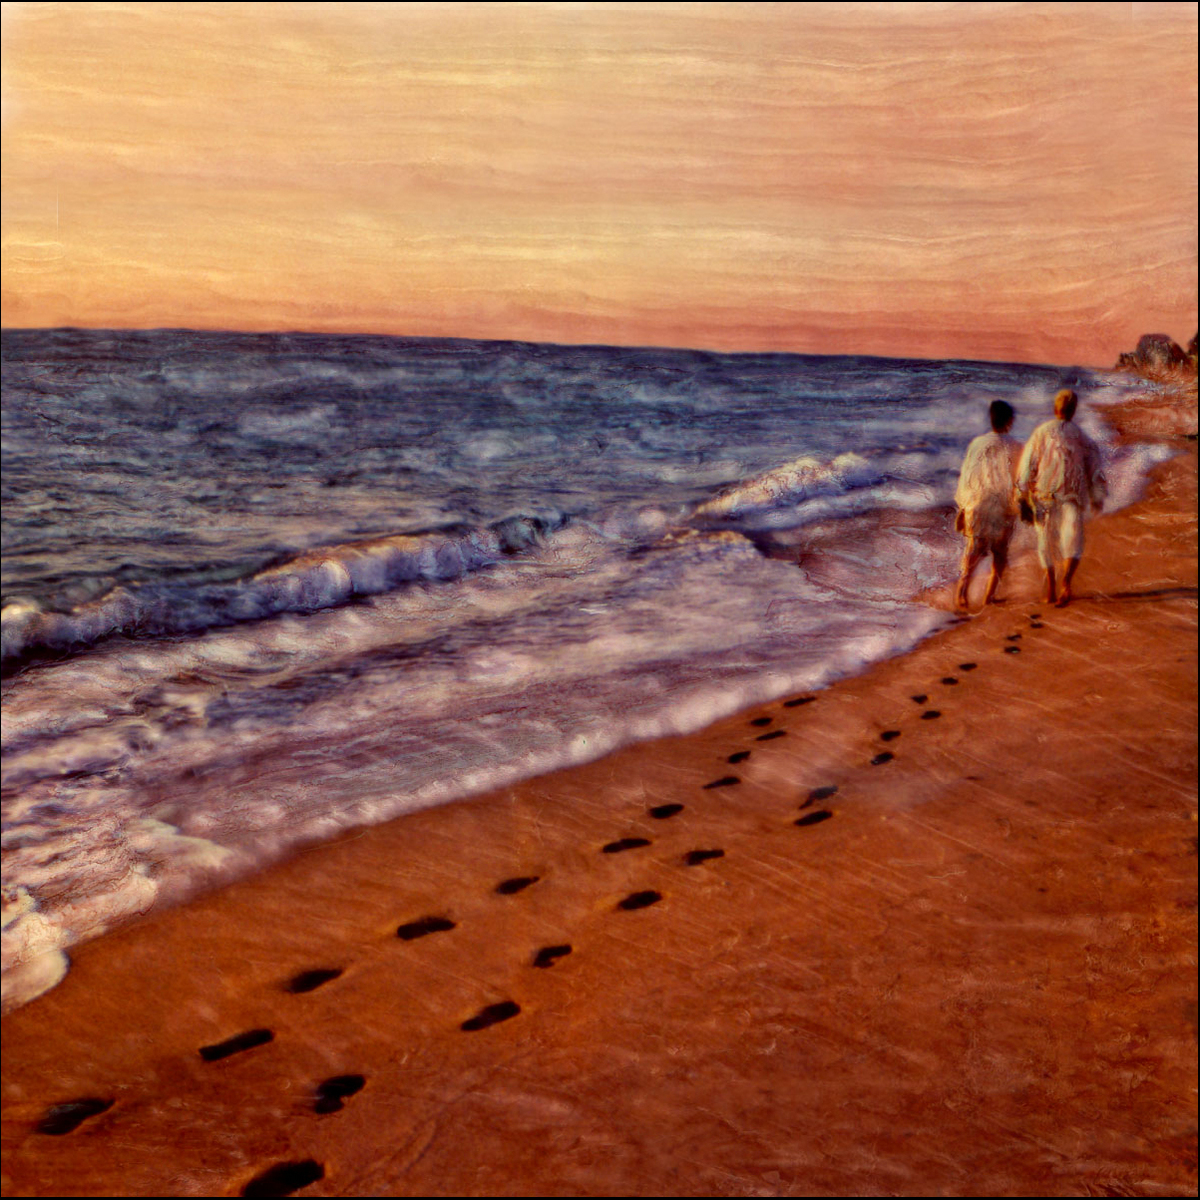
(320, 578)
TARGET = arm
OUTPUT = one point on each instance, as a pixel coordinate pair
(1027, 467)
(1097, 484)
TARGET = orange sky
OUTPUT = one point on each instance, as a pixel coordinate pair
(1009, 181)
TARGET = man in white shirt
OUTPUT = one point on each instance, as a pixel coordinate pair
(987, 503)
(1060, 477)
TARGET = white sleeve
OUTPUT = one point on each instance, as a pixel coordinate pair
(1027, 468)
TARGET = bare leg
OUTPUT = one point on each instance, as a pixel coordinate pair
(999, 562)
(1068, 570)
(1050, 596)
(970, 561)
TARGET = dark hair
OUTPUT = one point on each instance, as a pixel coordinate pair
(1001, 414)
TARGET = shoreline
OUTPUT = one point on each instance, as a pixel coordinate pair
(927, 1001)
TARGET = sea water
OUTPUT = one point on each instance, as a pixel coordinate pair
(262, 589)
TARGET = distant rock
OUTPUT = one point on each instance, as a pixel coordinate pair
(1155, 353)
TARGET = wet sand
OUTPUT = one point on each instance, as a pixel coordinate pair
(929, 931)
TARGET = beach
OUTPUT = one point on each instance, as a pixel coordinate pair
(930, 930)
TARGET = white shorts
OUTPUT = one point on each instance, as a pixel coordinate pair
(1059, 525)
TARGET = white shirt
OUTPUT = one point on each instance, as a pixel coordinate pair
(986, 479)
(1060, 462)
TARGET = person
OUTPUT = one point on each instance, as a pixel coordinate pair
(986, 499)
(1059, 477)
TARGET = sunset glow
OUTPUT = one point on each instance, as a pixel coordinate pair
(1010, 181)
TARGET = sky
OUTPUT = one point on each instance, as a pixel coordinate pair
(994, 181)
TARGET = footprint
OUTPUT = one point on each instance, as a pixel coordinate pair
(814, 818)
(949, 680)
(1035, 616)
(332, 1092)
(493, 1014)
(738, 756)
(821, 793)
(630, 843)
(694, 858)
(882, 757)
(510, 887)
(235, 1045)
(285, 1178)
(798, 701)
(930, 714)
(762, 720)
(769, 737)
(967, 666)
(309, 981)
(889, 735)
(724, 781)
(68, 1116)
(426, 925)
(1013, 637)
(639, 900)
(547, 956)
(1012, 649)
(920, 699)
(660, 812)
(1036, 625)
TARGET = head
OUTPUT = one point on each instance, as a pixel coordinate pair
(1064, 404)
(1001, 414)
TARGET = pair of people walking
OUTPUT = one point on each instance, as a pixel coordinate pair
(1050, 483)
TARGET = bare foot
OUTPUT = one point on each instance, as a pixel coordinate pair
(1064, 598)
(960, 598)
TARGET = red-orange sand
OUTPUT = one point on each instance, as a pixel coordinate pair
(974, 976)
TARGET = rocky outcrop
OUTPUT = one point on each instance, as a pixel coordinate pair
(1156, 354)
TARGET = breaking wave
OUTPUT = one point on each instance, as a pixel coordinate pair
(320, 578)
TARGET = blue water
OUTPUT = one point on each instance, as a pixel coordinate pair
(259, 589)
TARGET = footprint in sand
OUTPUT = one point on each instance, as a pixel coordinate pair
(424, 927)
(1012, 649)
(236, 1045)
(493, 1014)
(724, 781)
(333, 1092)
(639, 900)
(798, 701)
(694, 858)
(309, 981)
(770, 737)
(762, 721)
(813, 818)
(885, 756)
(920, 699)
(660, 812)
(821, 793)
(1036, 625)
(285, 1178)
(967, 666)
(547, 956)
(889, 735)
(930, 714)
(510, 887)
(70, 1114)
(1013, 637)
(738, 756)
(629, 843)
(949, 680)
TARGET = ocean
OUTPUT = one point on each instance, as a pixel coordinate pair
(260, 589)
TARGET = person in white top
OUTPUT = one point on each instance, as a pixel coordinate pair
(1060, 476)
(987, 501)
